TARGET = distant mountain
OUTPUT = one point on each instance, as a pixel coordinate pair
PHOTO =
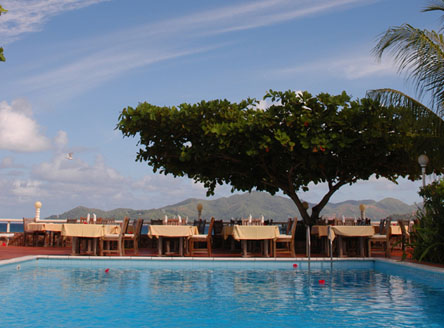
(277, 208)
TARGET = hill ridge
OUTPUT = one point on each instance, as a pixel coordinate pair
(255, 203)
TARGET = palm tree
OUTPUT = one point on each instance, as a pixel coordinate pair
(421, 54)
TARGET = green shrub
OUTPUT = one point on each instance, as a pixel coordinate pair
(428, 239)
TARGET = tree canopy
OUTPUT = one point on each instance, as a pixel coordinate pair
(300, 139)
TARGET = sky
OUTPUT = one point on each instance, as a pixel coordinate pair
(72, 66)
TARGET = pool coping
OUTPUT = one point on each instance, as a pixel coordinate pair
(222, 259)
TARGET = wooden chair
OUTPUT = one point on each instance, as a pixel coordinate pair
(135, 236)
(218, 237)
(289, 224)
(349, 222)
(201, 238)
(118, 238)
(383, 237)
(337, 222)
(257, 221)
(71, 220)
(235, 222)
(155, 222)
(201, 227)
(405, 236)
(171, 221)
(108, 221)
(26, 231)
(288, 240)
(253, 221)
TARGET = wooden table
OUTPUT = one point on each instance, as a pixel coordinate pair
(321, 231)
(49, 228)
(395, 230)
(89, 232)
(360, 232)
(341, 232)
(171, 231)
(43, 226)
(243, 233)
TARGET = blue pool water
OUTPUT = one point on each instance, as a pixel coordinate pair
(74, 293)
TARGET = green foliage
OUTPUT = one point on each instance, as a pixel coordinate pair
(299, 139)
(420, 53)
(2, 57)
(428, 240)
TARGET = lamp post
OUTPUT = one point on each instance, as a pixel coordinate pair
(37, 205)
(423, 160)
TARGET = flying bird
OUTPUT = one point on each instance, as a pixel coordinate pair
(69, 156)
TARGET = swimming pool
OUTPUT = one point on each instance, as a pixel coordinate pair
(190, 293)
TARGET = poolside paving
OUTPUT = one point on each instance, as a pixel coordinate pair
(10, 252)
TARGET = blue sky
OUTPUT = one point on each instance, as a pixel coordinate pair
(72, 66)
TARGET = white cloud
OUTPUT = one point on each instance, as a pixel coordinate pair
(62, 184)
(353, 67)
(264, 104)
(8, 163)
(27, 188)
(61, 139)
(165, 40)
(79, 174)
(26, 16)
(18, 130)
(97, 68)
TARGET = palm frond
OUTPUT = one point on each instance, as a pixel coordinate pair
(434, 5)
(425, 120)
(421, 54)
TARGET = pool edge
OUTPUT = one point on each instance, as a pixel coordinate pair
(221, 259)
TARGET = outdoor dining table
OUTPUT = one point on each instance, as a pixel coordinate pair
(45, 226)
(351, 231)
(243, 233)
(395, 230)
(49, 228)
(89, 232)
(171, 231)
(341, 232)
(321, 231)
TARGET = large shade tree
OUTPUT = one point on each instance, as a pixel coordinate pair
(298, 140)
(420, 54)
